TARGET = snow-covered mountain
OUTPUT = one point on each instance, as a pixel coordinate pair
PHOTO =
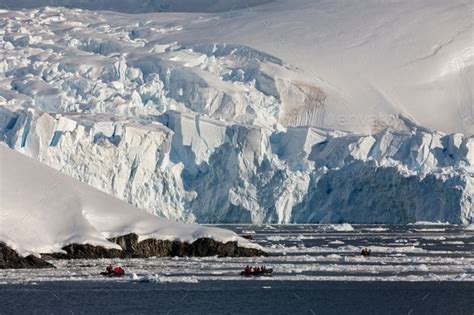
(288, 111)
(43, 210)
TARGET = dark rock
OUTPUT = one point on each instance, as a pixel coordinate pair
(131, 248)
(84, 251)
(9, 259)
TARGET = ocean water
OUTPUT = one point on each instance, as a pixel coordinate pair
(238, 297)
(318, 269)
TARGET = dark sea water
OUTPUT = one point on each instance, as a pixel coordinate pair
(318, 269)
(238, 297)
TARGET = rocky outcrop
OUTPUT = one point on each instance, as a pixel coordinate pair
(132, 248)
(9, 259)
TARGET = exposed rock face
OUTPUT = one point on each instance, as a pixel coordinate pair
(152, 247)
(9, 259)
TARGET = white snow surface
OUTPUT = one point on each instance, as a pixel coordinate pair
(351, 65)
(234, 114)
(43, 210)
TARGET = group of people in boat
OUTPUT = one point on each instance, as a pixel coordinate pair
(248, 269)
(113, 271)
(365, 252)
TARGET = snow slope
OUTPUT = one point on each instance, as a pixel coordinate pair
(373, 59)
(350, 65)
(43, 210)
(131, 6)
(236, 116)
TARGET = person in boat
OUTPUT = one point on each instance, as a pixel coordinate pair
(248, 269)
(365, 252)
(264, 268)
(109, 269)
(257, 269)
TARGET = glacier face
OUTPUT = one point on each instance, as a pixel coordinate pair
(193, 168)
(213, 132)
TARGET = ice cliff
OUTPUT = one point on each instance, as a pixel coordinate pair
(192, 168)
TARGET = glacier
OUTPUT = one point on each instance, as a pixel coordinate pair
(195, 169)
(226, 127)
